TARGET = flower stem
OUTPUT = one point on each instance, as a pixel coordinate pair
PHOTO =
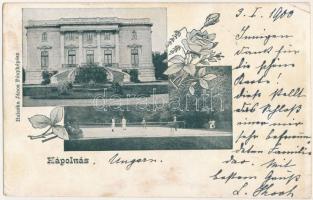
(32, 137)
(181, 80)
(53, 137)
(189, 80)
(173, 84)
(184, 28)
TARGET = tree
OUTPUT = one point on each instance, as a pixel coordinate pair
(23, 75)
(160, 65)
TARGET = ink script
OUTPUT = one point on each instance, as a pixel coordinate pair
(271, 146)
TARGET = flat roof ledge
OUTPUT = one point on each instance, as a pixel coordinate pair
(88, 21)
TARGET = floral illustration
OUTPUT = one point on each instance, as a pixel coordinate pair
(54, 130)
(197, 47)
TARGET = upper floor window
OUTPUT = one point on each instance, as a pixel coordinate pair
(44, 37)
(44, 59)
(89, 37)
(134, 57)
(107, 35)
(70, 36)
(134, 35)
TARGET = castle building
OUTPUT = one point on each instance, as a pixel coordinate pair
(55, 45)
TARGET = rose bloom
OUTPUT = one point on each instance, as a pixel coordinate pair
(199, 43)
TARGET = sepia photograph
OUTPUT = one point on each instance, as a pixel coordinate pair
(199, 121)
(72, 56)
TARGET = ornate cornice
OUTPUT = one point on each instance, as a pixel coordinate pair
(71, 46)
(134, 46)
(44, 47)
(90, 46)
(107, 46)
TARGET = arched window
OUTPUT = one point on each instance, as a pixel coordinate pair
(44, 37)
(134, 35)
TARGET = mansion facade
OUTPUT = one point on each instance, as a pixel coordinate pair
(56, 45)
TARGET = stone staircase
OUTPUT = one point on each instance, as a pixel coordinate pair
(65, 75)
(118, 74)
(68, 74)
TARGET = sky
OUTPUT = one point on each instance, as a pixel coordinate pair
(157, 17)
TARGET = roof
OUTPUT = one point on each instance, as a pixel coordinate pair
(88, 21)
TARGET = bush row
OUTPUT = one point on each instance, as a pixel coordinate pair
(91, 74)
(115, 88)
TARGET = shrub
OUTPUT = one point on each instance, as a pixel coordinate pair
(73, 130)
(117, 88)
(87, 74)
(64, 88)
(91, 83)
(134, 75)
(160, 65)
(46, 75)
(23, 75)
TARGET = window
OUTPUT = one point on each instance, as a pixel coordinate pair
(70, 36)
(107, 35)
(71, 57)
(89, 37)
(44, 37)
(134, 57)
(134, 35)
(90, 57)
(108, 57)
(44, 59)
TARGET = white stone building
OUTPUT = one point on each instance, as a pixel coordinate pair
(57, 45)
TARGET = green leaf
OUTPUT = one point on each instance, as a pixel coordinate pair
(201, 71)
(190, 69)
(204, 84)
(56, 115)
(191, 88)
(60, 131)
(212, 59)
(177, 59)
(209, 77)
(204, 62)
(39, 121)
(186, 44)
(173, 69)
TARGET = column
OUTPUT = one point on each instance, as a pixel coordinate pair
(80, 48)
(62, 48)
(98, 48)
(117, 48)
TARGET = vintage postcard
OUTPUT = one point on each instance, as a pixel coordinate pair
(157, 99)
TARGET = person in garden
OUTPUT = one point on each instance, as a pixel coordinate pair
(124, 123)
(175, 123)
(211, 124)
(144, 123)
(113, 124)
